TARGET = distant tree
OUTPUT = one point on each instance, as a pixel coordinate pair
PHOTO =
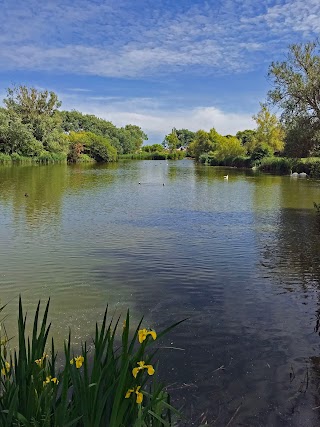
(228, 147)
(152, 148)
(171, 140)
(202, 143)
(269, 130)
(246, 137)
(126, 140)
(185, 136)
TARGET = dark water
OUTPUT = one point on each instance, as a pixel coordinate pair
(239, 258)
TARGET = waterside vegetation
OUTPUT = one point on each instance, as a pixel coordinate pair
(33, 129)
(111, 381)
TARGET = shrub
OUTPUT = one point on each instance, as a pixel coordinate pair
(315, 170)
(280, 165)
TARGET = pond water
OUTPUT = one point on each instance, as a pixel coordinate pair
(240, 258)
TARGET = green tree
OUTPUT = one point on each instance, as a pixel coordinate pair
(171, 140)
(228, 147)
(296, 90)
(152, 148)
(269, 130)
(246, 137)
(17, 137)
(185, 137)
(95, 146)
(202, 143)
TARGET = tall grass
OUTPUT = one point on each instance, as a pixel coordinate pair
(157, 155)
(43, 158)
(94, 387)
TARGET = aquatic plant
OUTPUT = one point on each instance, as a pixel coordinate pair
(106, 383)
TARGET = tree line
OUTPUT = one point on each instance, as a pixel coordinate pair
(32, 126)
(293, 132)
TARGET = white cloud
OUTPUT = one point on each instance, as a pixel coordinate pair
(157, 119)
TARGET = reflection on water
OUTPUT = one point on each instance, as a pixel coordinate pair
(239, 258)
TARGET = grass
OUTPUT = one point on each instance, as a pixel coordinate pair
(94, 387)
(43, 158)
(157, 155)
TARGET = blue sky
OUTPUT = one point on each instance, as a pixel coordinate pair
(157, 64)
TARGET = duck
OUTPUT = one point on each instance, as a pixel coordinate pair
(226, 177)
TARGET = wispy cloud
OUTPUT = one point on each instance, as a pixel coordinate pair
(126, 39)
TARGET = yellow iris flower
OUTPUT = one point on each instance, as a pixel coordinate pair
(139, 398)
(79, 361)
(142, 365)
(39, 362)
(50, 379)
(6, 369)
(143, 333)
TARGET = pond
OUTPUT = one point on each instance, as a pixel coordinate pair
(240, 258)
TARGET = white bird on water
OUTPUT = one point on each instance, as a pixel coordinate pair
(226, 177)
(294, 174)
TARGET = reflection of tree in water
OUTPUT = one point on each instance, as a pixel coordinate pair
(37, 192)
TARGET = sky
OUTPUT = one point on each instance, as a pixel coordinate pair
(158, 64)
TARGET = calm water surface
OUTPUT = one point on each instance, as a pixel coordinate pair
(239, 258)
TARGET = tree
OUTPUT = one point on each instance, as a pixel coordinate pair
(202, 143)
(171, 140)
(95, 146)
(269, 130)
(30, 102)
(185, 136)
(127, 139)
(228, 147)
(16, 137)
(296, 91)
(152, 148)
(246, 137)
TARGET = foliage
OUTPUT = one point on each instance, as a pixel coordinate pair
(261, 151)
(152, 148)
(17, 137)
(202, 143)
(302, 139)
(269, 131)
(95, 146)
(247, 138)
(315, 170)
(220, 147)
(228, 148)
(296, 90)
(127, 139)
(171, 140)
(280, 165)
(102, 384)
(185, 137)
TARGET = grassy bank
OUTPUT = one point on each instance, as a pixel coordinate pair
(103, 383)
(278, 165)
(283, 165)
(157, 155)
(45, 158)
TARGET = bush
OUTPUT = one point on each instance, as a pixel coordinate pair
(103, 384)
(315, 170)
(280, 165)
